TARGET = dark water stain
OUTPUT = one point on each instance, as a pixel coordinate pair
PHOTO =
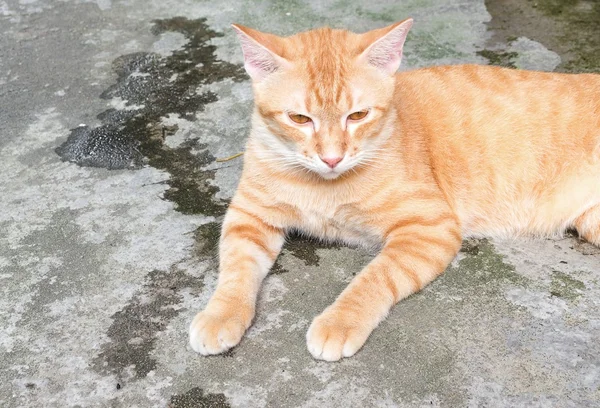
(302, 247)
(579, 244)
(207, 239)
(133, 330)
(154, 87)
(277, 269)
(470, 246)
(571, 28)
(195, 398)
(305, 248)
(584, 247)
(502, 59)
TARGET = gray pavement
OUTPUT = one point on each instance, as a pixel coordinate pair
(113, 113)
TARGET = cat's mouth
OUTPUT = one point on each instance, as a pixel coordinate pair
(331, 174)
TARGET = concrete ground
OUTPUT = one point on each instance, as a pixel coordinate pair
(113, 112)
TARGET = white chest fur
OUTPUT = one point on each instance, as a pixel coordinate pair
(338, 223)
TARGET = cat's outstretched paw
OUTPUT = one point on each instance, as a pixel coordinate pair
(331, 337)
(214, 333)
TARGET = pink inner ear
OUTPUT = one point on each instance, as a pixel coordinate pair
(258, 61)
(386, 52)
(387, 61)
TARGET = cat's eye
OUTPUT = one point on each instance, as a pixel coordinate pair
(358, 115)
(298, 118)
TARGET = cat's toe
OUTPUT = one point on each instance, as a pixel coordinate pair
(214, 334)
(329, 340)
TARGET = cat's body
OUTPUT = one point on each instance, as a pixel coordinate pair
(442, 153)
(558, 166)
(515, 152)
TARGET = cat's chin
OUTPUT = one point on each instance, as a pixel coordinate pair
(330, 175)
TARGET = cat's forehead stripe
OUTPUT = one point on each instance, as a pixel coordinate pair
(326, 66)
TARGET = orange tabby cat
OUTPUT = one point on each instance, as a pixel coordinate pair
(344, 148)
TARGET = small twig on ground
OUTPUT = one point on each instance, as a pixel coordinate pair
(224, 159)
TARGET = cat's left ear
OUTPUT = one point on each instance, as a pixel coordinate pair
(383, 47)
(262, 52)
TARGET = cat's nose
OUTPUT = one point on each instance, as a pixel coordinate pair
(331, 161)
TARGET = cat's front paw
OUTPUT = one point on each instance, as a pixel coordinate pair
(215, 332)
(331, 336)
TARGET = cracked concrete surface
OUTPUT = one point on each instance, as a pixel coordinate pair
(102, 270)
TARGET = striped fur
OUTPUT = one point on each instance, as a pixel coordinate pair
(443, 153)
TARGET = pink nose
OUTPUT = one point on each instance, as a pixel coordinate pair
(331, 161)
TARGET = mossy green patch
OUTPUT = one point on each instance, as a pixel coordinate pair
(566, 287)
(568, 27)
(581, 33)
(482, 269)
(196, 398)
(555, 7)
(386, 16)
(430, 48)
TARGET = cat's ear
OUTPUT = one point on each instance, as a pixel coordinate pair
(383, 47)
(261, 52)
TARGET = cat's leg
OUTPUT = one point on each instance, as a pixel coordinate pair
(417, 250)
(588, 225)
(247, 250)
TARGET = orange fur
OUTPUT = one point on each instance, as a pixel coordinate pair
(444, 152)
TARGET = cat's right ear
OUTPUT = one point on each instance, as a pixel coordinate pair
(260, 50)
(383, 47)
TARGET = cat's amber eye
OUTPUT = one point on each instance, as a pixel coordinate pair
(358, 115)
(301, 119)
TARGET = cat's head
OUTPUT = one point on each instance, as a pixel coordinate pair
(322, 97)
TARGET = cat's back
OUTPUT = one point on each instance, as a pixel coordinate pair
(494, 106)
(494, 78)
(486, 88)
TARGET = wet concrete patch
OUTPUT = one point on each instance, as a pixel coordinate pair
(133, 331)
(151, 87)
